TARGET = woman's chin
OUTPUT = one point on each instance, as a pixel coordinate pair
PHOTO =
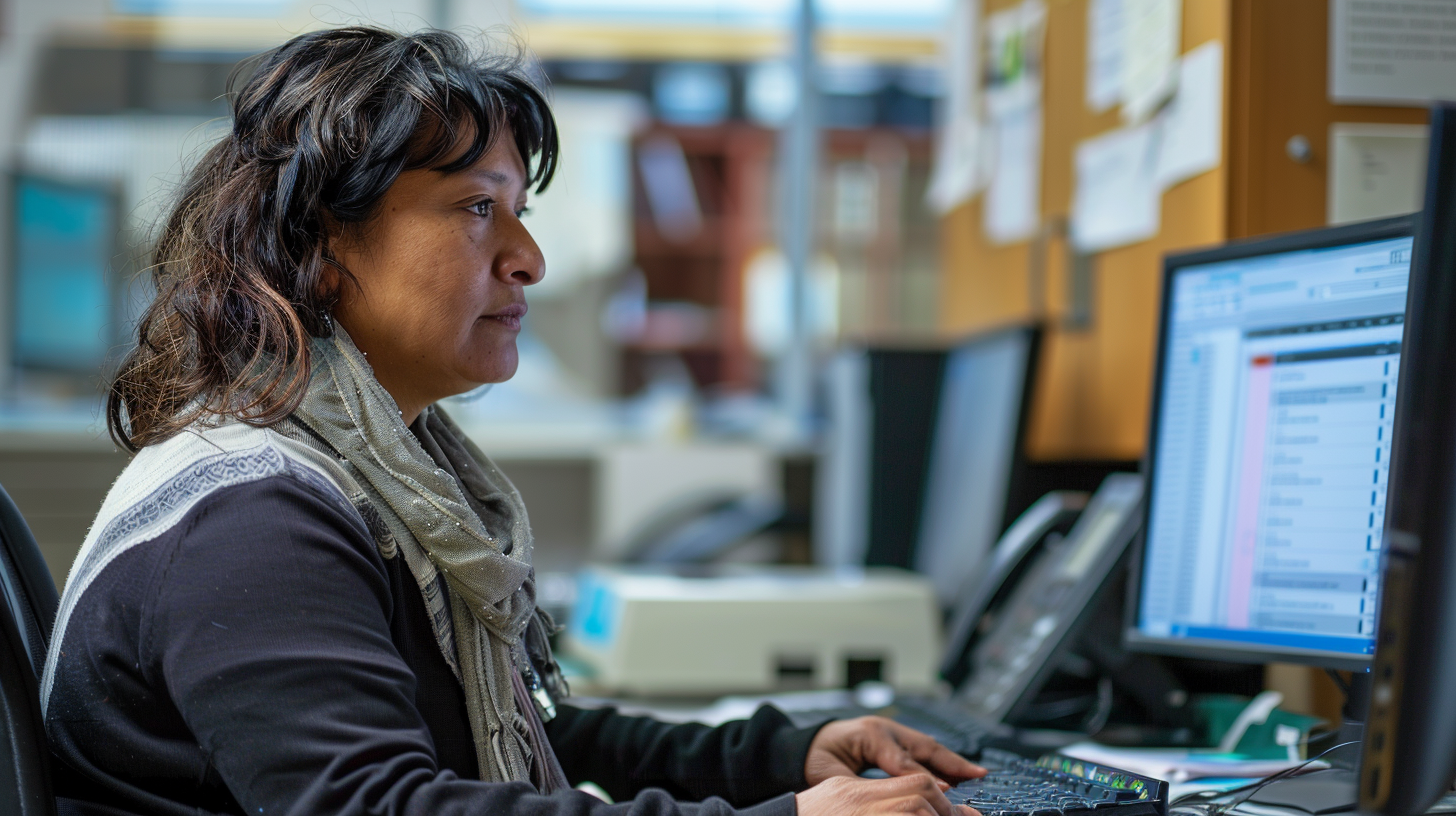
(496, 367)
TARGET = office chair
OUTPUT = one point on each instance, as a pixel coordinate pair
(28, 603)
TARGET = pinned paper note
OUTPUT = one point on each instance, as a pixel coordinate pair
(1118, 200)
(1015, 41)
(1191, 126)
(957, 172)
(1391, 53)
(1121, 175)
(1012, 210)
(1375, 170)
(1153, 35)
(1106, 26)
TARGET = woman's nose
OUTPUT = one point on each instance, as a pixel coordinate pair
(520, 260)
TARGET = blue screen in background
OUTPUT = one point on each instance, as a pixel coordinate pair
(65, 239)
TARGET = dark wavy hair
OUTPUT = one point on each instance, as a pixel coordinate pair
(322, 126)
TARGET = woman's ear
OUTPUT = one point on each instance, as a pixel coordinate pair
(333, 272)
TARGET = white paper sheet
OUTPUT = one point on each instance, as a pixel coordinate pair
(1387, 53)
(1015, 43)
(1375, 170)
(1106, 41)
(957, 175)
(1012, 210)
(1117, 200)
(1191, 137)
(1153, 32)
(1180, 764)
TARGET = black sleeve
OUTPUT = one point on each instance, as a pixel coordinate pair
(270, 632)
(744, 761)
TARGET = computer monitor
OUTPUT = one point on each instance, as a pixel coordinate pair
(1409, 752)
(923, 448)
(1269, 448)
(64, 243)
(976, 454)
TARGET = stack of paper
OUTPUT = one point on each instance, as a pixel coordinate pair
(1181, 764)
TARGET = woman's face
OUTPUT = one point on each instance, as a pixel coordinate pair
(442, 271)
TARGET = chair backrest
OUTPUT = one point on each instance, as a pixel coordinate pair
(28, 604)
(26, 583)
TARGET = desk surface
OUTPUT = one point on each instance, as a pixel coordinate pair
(81, 427)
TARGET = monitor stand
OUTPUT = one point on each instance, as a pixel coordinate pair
(1333, 790)
(1352, 716)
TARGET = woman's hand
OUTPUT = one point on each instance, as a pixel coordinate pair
(846, 747)
(916, 794)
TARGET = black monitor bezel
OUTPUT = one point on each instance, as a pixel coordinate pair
(1133, 638)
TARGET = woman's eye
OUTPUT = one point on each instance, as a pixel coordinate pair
(482, 208)
(523, 212)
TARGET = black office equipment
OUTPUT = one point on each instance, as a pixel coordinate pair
(1409, 756)
(1269, 455)
(1050, 604)
(1055, 785)
(999, 573)
(1269, 448)
(706, 531)
(924, 452)
(976, 458)
(27, 610)
(1007, 659)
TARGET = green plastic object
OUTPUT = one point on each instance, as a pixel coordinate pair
(1271, 739)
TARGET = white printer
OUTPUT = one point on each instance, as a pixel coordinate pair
(698, 631)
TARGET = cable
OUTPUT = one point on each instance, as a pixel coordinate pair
(1097, 720)
(1193, 800)
(1332, 733)
(1056, 709)
(1212, 808)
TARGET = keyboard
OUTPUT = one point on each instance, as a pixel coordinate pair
(1055, 785)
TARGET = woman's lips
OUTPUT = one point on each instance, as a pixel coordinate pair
(510, 317)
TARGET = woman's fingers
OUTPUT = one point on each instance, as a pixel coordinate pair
(933, 756)
(894, 758)
(920, 794)
(920, 786)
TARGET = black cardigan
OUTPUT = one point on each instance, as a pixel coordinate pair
(261, 657)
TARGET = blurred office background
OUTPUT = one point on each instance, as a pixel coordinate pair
(665, 309)
(967, 178)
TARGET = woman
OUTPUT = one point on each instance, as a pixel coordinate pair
(309, 593)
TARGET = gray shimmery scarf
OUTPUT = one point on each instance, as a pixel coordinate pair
(481, 550)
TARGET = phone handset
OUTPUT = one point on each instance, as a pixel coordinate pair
(983, 590)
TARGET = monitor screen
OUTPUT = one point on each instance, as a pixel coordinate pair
(1271, 447)
(975, 446)
(921, 454)
(65, 237)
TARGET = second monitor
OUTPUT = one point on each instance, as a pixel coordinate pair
(924, 453)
